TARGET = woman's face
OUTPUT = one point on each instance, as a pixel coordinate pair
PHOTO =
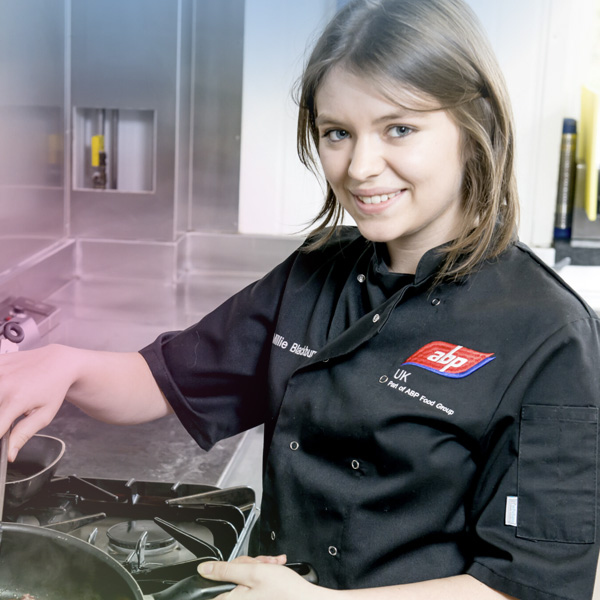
(397, 172)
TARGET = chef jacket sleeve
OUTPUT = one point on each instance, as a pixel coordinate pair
(534, 510)
(214, 373)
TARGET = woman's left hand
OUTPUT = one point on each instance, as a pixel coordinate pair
(261, 578)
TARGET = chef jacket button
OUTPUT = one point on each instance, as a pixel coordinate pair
(361, 278)
(294, 445)
(355, 465)
(376, 318)
(273, 536)
(325, 360)
(332, 550)
(435, 301)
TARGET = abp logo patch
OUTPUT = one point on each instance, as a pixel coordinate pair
(449, 360)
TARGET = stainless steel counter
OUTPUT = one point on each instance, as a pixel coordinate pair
(124, 316)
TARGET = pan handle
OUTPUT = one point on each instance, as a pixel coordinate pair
(194, 587)
(3, 469)
(191, 588)
(305, 570)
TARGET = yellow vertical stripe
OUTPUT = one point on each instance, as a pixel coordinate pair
(588, 149)
(97, 147)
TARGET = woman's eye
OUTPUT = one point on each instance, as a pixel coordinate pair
(400, 131)
(336, 135)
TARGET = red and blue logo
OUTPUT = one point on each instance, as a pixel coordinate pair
(449, 360)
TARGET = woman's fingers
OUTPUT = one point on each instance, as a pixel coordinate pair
(238, 571)
(272, 560)
(262, 578)
(26, 428)
(32, 388)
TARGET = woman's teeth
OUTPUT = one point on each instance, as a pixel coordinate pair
(377, 199)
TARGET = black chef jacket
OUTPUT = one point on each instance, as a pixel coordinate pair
(412, 432)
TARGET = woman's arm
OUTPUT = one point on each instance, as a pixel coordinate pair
(113, 387)
(461, 587)
(275, 582)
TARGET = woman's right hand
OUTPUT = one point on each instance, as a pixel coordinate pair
(33, 385)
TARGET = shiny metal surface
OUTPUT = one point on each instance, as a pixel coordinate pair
(32, 72)
(235, 253)
(124, 56)
(585, 230)
(40, 275)
(156, 261)
(181, 62)
(216, 114)
(3, 470)
(33, 468)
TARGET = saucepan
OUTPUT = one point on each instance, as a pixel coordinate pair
(34, 466)
(49, 565)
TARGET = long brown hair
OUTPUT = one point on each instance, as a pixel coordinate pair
(436, 49)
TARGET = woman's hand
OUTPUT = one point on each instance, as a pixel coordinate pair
(265, 578)
(33, 385)
(262, 578)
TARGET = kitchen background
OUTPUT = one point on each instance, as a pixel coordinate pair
(203, 191)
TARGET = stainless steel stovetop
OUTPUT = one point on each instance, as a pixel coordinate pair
(159, 531)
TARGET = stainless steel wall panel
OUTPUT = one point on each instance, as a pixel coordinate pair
(120, 216)
(43, 276)
(124, 56)
(32, 86)
(31, 212)
(183, 130)
(216, 116)
(128, 260)
(32, 52)
(124, 51)
(226, 253)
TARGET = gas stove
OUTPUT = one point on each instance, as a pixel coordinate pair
(159, 532)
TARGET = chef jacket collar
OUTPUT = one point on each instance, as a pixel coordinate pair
(428, 266)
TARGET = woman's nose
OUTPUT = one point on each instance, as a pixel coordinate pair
(366, 160)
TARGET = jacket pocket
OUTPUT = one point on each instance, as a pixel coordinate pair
(557, 468)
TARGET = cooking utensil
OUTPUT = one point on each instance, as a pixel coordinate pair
(173, 593)
(3, 471)
(34, 466)
(242, 496)
(54, 566)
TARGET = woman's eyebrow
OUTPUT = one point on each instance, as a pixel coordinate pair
(324, 118)
(400, 115)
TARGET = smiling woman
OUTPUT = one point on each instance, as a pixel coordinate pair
(421, 65)
(397, 172)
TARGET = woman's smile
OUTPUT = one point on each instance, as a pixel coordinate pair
(377, 198)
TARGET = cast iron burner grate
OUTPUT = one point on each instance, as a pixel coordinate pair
(159, 531)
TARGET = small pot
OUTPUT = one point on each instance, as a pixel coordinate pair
(34, 466)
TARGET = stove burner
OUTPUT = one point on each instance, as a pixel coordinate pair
(159, 531)
(124, 537)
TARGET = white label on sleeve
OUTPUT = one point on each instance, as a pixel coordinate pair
(512, 508)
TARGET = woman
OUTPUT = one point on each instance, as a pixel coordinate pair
(429, 388)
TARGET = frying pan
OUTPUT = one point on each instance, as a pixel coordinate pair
(50, 565)
(55, 566)
(34, 466)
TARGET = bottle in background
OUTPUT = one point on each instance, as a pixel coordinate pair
(566, 181)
